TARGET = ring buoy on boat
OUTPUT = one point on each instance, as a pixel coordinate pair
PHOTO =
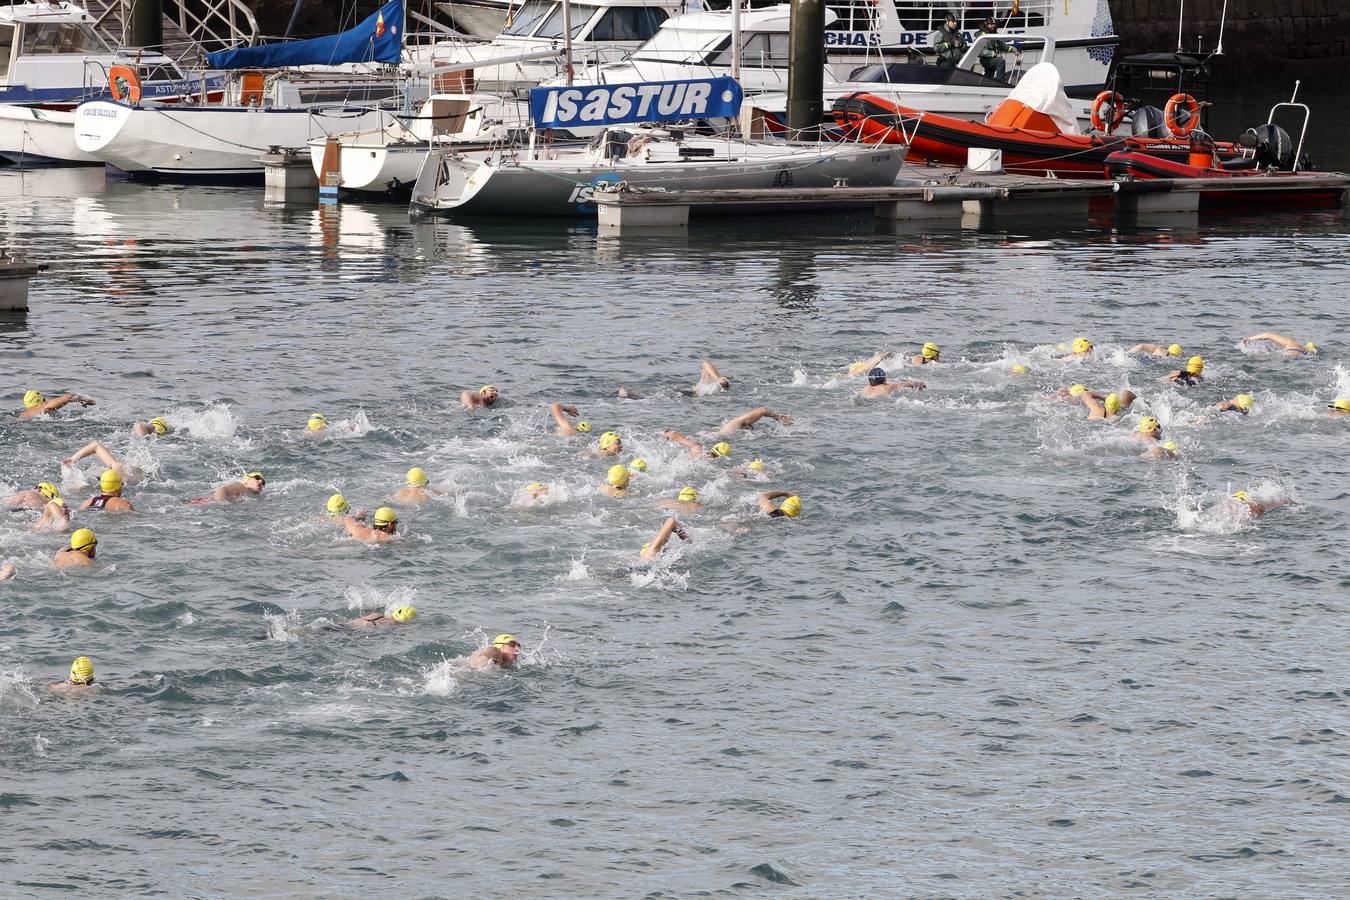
(1117, 111)
(124, 84)
(1192, 108)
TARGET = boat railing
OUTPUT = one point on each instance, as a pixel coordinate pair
(1292, 103)
(928, 15)
(191, 26)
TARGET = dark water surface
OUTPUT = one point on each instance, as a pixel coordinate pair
(997, 654)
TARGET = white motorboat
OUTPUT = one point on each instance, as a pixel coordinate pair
(41, 135)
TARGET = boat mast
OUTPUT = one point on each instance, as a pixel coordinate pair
(567, 40)
(736, 39)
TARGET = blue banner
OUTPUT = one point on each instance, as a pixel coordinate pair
(379, 38)
(649, 101)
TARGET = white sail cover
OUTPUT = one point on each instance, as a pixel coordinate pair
(1042, 89)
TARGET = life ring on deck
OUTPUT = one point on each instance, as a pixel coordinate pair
(1191, 105)
(1117, 111)
(124, 84)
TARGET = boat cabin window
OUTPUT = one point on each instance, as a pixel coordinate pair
(523, 20)
(66, 37)
(553, 25)
(927, 15)
(854, 15)
(628, 23)
(6, 45)
(676, 45)
(763, 50)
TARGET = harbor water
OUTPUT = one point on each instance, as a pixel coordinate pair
(998, 653)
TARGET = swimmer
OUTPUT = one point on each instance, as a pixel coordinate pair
(878, 386)
(628, 394)
(536, 490)
(35, 404)
(1149, 432)
(81, 676)
(755, 468)
(1242, 403)
(94, 448)
(55, 516)
(1169, 450)
(378, 619)
(863, 366)
(566, 427)
(1154, 350)
(156, 427)
(1341, 407)
(415, 489)
(1290, 346)
(617, 476)
(1073, 393)
(687, 502)
(746, 421)
(929, 353)
(1193, 373)
(790, 507)
(710, 381)
(110, 494)
(83, 546)
(230, 491)
(502, 652)
(696, 451)
(1019, 369)
(383, 528)
(1080, 349)
(1254, 508)
(338, 510)
(637, 466)
(482, 398)
(1109, 406)
(610, 444)
(35, 497)
(653, 547)
(6, 571)
(317, 426)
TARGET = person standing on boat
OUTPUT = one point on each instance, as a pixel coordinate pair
(950, 43)
(991, 53)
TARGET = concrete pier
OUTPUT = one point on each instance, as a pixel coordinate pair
(287, 170)
(14, 277)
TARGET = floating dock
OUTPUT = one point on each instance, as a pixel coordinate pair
(14, 277)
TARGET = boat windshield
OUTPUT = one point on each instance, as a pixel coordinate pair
(522, 21)
(677, 45)
(66, 37)
(765, 50)
(6, 44)
(553, 25)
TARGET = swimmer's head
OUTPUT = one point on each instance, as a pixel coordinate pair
(1240, 495)
(488, 393)
(48, 490)
(1342, 404)
(1019, 369)
(1243, 402)
(32, 399)
(637, 465)
(82, 670)
(160, 426)
(317, 422)
(688, 495)
(1082, 345)
(618, 476)
(1310, 347)
(792, 506)
(58, 501)
(876, 376)
(508, 646)
(583, 427)
(1112, 404)
(1195, 365)
(931, 350)
(1171, 447)
(84, 541)
(338, 505)
(386, 520)
(610, 441)
(1174, 350)
(1149, 425)
(536, 489)
(255, 476)
(1078, 390)
(417, 477)
(756, 465)
(721, 448)
(404, 614)
(110, 482)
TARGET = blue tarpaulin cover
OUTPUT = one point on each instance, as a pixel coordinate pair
(379, 38)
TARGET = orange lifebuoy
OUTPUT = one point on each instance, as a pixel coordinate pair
(1117, 111)
(1191, 105)
(124, 84)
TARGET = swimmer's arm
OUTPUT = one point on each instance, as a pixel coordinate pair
(1228, 406)
(1094, 404)
(627, 394)
(1281, 339)
(1146, 348)
(356, 529)
(565, 425)
(682, 440)
(766, 499)
(56, 403)
(1171, 376)
(88, 503)
(860, 368)
(669, 527)
(709, 374)
(911, 384)
(466, 399)
(1261, 509)
(745, 420)
(6, 571)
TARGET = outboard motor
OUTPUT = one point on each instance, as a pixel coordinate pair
(1148, 122)
(616, 144)
(1272, 144)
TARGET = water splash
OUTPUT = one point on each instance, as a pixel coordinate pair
(367, 598)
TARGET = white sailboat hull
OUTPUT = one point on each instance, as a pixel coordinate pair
(31, 135)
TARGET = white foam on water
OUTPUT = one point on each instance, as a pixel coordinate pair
(1213, 512)
(16, 690)
(186, 618)
(1340, 379)
(40, 745)
(213, 424)
(283, 627)
(357, 425)
(443, 679)
(367, 598)
(577, 570)
(799, 377)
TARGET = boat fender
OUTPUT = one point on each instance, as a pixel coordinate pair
(1117, 104)
(1181, 126)
(124, 85)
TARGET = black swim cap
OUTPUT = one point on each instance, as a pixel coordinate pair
(876, 376)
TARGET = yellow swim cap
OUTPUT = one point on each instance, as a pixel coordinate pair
(1174, 350)
(404, 614)
(502, 640)
(534, 487)
(257, 475)
(721, 448)
(1077, 390)
(638, 465)
(1112, 404)
(58, 501)
(756, 465)
(688, 495)
(1081, 345)
(32, 399)
(316, 422)
(1171, 446)
(609, 439)
(1195, 365)
(618, 476)
(385, 516)
(1310, 347)
(1342, 404)
(110, 482)
(1243, 402)
(1148, 425)
(486, 389)
(1241, 495)
(83, 539)
(417, 476)
(48, 490)
(160, 426)
(931, 350)
(338, 505)
(1019, 369)
(792, 506)
(583, 427)
(82, 670)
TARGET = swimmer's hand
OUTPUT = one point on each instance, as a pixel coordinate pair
(83, 400)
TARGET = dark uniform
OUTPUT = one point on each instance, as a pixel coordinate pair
(950, 43)
(991, 53)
